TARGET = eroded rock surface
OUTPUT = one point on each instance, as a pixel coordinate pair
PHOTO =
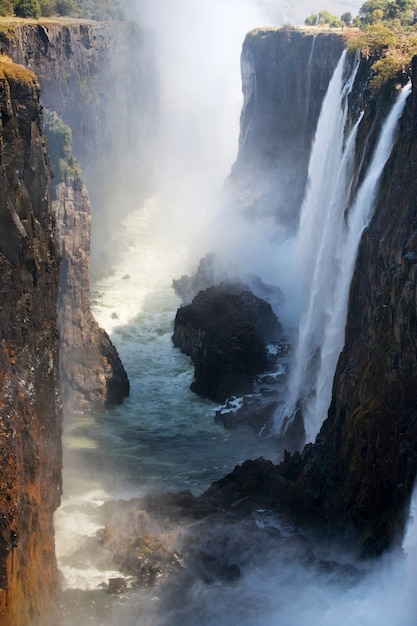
(225, 331)
(30, 407)
(92, 373)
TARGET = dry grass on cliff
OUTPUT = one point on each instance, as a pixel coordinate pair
(18, 73)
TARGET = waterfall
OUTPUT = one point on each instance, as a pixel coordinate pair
(327, 245)
(316, 244)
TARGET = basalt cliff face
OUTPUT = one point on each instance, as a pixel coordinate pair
(101, 79)
(92, 374)
(40, 223)
(371, 431)
(285, 75)
(225, 331)
(81, 68)
(360, 472)
(30, 413)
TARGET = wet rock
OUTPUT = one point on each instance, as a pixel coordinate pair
(278, 124)
(140, 547)
(225, 331)
(253, 412)
(117, 585)
(92, 374)
(211, 570)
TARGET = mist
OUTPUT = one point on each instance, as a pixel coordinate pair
(197, 46)
(290, 581)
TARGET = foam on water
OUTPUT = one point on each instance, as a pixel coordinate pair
(163, 437)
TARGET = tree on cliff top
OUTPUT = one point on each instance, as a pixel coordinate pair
(323, 18)
(401, 12)
(397, 14)
(27, 8)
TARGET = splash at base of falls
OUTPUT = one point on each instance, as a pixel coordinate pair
(328, 241)
(164, 437)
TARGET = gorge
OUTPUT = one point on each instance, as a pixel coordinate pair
(246, 533)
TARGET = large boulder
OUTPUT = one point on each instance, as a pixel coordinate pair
(225, 331)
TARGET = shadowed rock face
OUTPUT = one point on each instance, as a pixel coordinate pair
(100, 78)
(30, 409)
(285, 75)
(371, 430)
(92, 374)
(73, 66)
(360, 472)
(225, 331)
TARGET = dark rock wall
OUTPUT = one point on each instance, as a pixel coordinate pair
(30, 410)
(77, 66)
(100, 78)
(225, 331)
(92, 375)
(372, 424)
(359, 474)
(285, 75)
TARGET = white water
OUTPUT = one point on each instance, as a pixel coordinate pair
(164, 437)
(327, 248)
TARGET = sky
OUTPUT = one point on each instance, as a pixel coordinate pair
(295, 11)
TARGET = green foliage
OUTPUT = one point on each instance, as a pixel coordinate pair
(89, 9)
(99, 9)
(386, 70)
(65, 7)
(397, 14)
(323, 18)
(346, 18)
(311, 20)
(64, 164)
(402, 11)
(374, 40)
(27, 8)
(373, 11)
(6, 7)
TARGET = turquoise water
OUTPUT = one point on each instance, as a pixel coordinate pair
(163, 437)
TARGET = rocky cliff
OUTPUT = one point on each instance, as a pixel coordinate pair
(285, 75)
(92, 374)
(30, 414)
(371, 431)
(74, 65)
(360, 472)
(100, 78)
(225, 331)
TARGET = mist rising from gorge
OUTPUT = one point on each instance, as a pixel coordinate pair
(198, 47)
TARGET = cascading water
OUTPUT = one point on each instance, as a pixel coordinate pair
(327, 245)
(164, 438)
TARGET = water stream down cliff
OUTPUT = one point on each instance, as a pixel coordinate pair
(166, 517)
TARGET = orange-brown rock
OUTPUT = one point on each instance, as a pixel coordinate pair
(30, 407)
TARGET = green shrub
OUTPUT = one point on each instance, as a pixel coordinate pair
(64, 164)
(323, 18)
(65, 7)
(374, 40)
(27, 8)
(347, 18)
(386, 70)
(6, 7)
